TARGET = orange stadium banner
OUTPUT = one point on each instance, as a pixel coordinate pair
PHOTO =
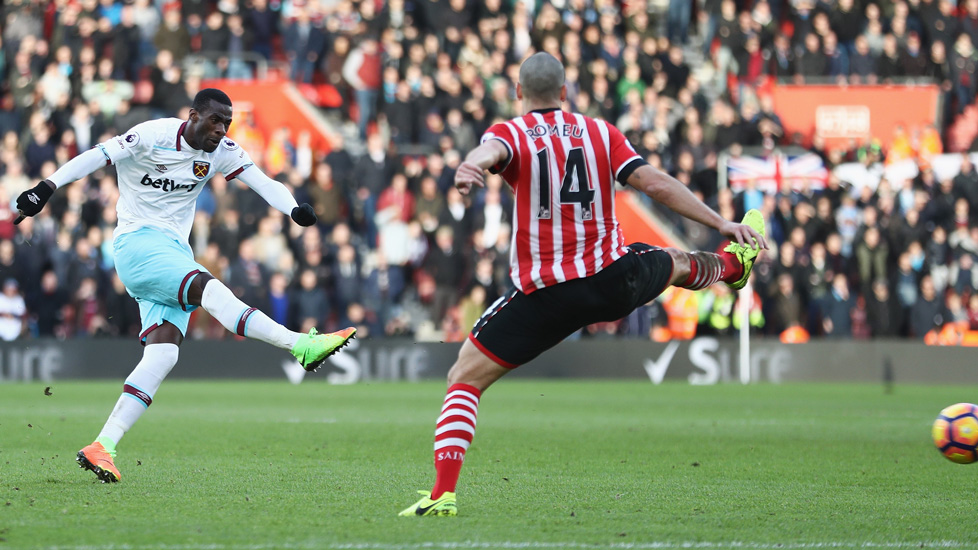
(843, 114)
(276, 104)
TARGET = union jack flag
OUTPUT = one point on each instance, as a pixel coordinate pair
(777, 172)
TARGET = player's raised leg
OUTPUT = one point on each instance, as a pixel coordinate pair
(698, 270)
(471, 374)
(310, 349)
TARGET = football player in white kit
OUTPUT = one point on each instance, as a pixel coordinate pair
(162, 166)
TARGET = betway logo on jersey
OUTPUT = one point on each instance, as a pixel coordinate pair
(559, 130)
(166, 184)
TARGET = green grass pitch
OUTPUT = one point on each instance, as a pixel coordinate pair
(555, 464)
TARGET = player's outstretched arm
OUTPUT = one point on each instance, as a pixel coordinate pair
(32, 201)
(671, 192)
(473, 170)
(278, 196)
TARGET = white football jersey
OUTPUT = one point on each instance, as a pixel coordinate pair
(161, 175)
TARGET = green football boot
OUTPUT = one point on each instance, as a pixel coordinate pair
(442, 506)
(312, 349)
(745, 253)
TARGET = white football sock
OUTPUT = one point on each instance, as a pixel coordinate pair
(243, 320)
(138, 392)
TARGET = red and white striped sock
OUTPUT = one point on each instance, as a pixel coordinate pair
(706, 268)
(453, 434)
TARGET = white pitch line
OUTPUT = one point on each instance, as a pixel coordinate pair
(519, 545)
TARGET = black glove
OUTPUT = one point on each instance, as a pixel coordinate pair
(30, 202)
(304, 215)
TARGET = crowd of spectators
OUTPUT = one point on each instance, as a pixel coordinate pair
(398, 251)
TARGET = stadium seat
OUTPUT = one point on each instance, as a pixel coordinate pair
(321, 95)
(970, 338)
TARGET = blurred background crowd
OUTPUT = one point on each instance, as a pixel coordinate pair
(397, 250)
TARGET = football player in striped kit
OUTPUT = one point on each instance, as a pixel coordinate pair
(569, 263)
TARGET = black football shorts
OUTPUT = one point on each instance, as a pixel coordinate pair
(518, 327)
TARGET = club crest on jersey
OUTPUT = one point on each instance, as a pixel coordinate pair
(201, 168)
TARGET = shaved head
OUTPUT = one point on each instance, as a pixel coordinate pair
(542, 77)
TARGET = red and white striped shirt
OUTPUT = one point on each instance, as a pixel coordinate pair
(562, 168)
